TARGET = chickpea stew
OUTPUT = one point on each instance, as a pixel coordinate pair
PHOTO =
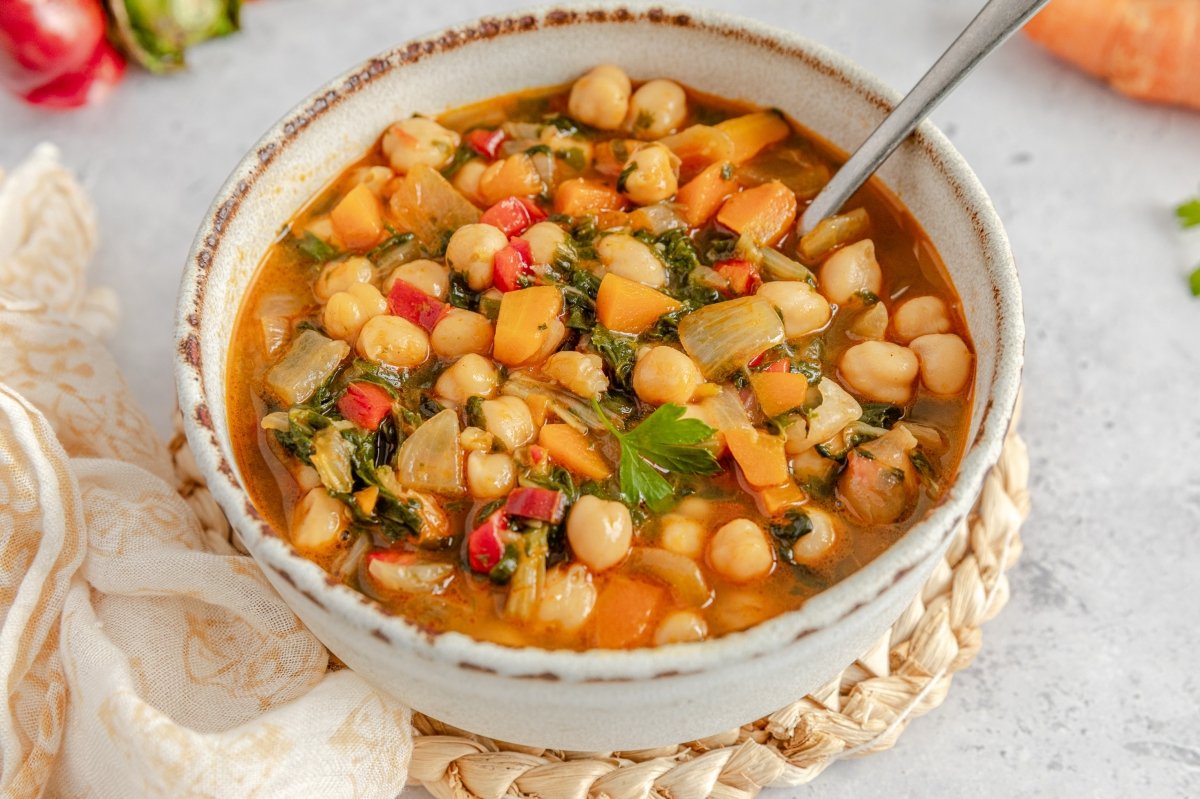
(556, 370)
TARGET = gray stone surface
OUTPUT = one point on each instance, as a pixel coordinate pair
(1087, 684)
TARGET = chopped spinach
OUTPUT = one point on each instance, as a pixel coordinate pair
(788, 529)
(881, 414)
(617, 351)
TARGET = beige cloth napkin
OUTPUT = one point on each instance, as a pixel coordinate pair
(136, 658)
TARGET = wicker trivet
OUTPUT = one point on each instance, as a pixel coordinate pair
(904, 675)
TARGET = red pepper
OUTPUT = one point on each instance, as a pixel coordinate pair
(742, 275)
(365, 404)
(778, 366)
(545, 504)
(392, 556)
(416, 306)
(513, 215)
(511, 264)
(484, 548)
(53, 52)
(486, 142)
(537, 454)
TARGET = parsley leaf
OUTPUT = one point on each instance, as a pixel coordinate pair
(1188, 213)
(664, 440)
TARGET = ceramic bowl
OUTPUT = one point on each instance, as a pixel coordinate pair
(598, 700)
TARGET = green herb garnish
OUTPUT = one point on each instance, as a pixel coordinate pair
(1188, 214)
(664, 440)
(629, 169)
(619, 352)
(317, 249)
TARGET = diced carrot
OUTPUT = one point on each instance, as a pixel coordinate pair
(703, 194)
(697, 147)
(764, 213)
(583, 197)
(523, 323)
(753, 132)
(779, 392)
(366, 499)
(574, 451)
(515, 176)
(774, 500)
(358, 218)
(611, 220)
(760, 455)
(624, 611)
(629, 307)
(538, 407)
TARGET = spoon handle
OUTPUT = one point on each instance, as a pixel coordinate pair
(995, 22)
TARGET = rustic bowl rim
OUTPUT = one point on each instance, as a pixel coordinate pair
(819, 613)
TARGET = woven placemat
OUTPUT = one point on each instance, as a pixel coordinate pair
(902, 676)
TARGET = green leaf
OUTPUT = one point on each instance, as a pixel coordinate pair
(317, 249)
(619, 352)
(155, 33)
(1194, 281)
(1188, 213)
(629, 169)
(664, 440)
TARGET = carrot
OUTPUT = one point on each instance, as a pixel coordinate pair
(764, 213)
(703, 194)
(754, 132)
(697, 147)
(358, 218)
(538, 405)
(523, 324)
(624, 611)
(573, 450)
(774, 500)
(629, 307)
(779, 392)
(515, 176)
(1148, 49)
(583, 197)
(760, 455)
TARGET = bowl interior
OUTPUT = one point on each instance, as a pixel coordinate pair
(731, 58)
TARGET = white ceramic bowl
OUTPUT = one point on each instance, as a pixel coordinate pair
(597, 700)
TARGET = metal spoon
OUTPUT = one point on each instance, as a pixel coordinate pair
(995, 22)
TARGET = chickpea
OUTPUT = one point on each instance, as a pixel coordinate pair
(850, 270)
(600, 532)
(945, 362)
(341, 275)
(318, 520)
(470, 375)
(393, 340)
(582, 375)
(471, 251)
(682, 535)
(348, 311)
(814, 546)
(657, 108)
(544, 240)
(374, 177)
(696, 508)
(467, 178)
(803, 310)
(418, 140)
(920, 316)
(490, 475)
(460, 332)
(630, 258)
(653, 174)
(428, 276)
(516, 175)
(880, 371)
(601, 97)
(740, 552)
(568, 598)
(679, 627)
(509, 420)
(665, 374)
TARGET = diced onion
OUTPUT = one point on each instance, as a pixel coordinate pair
(678, 571)
(431, 459)
(331, 459)
(837, 409)
(410, 577)
(306, 365)
(834, 231)
(725, 336)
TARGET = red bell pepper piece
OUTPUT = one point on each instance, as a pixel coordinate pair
(416, 306)
(778, 366)
(392, 556)
(486, 142)
(484, 548)
(538, 454)
(545, 504)
(511, 264)
(742, 275)
(513, 215)
(365, 404)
